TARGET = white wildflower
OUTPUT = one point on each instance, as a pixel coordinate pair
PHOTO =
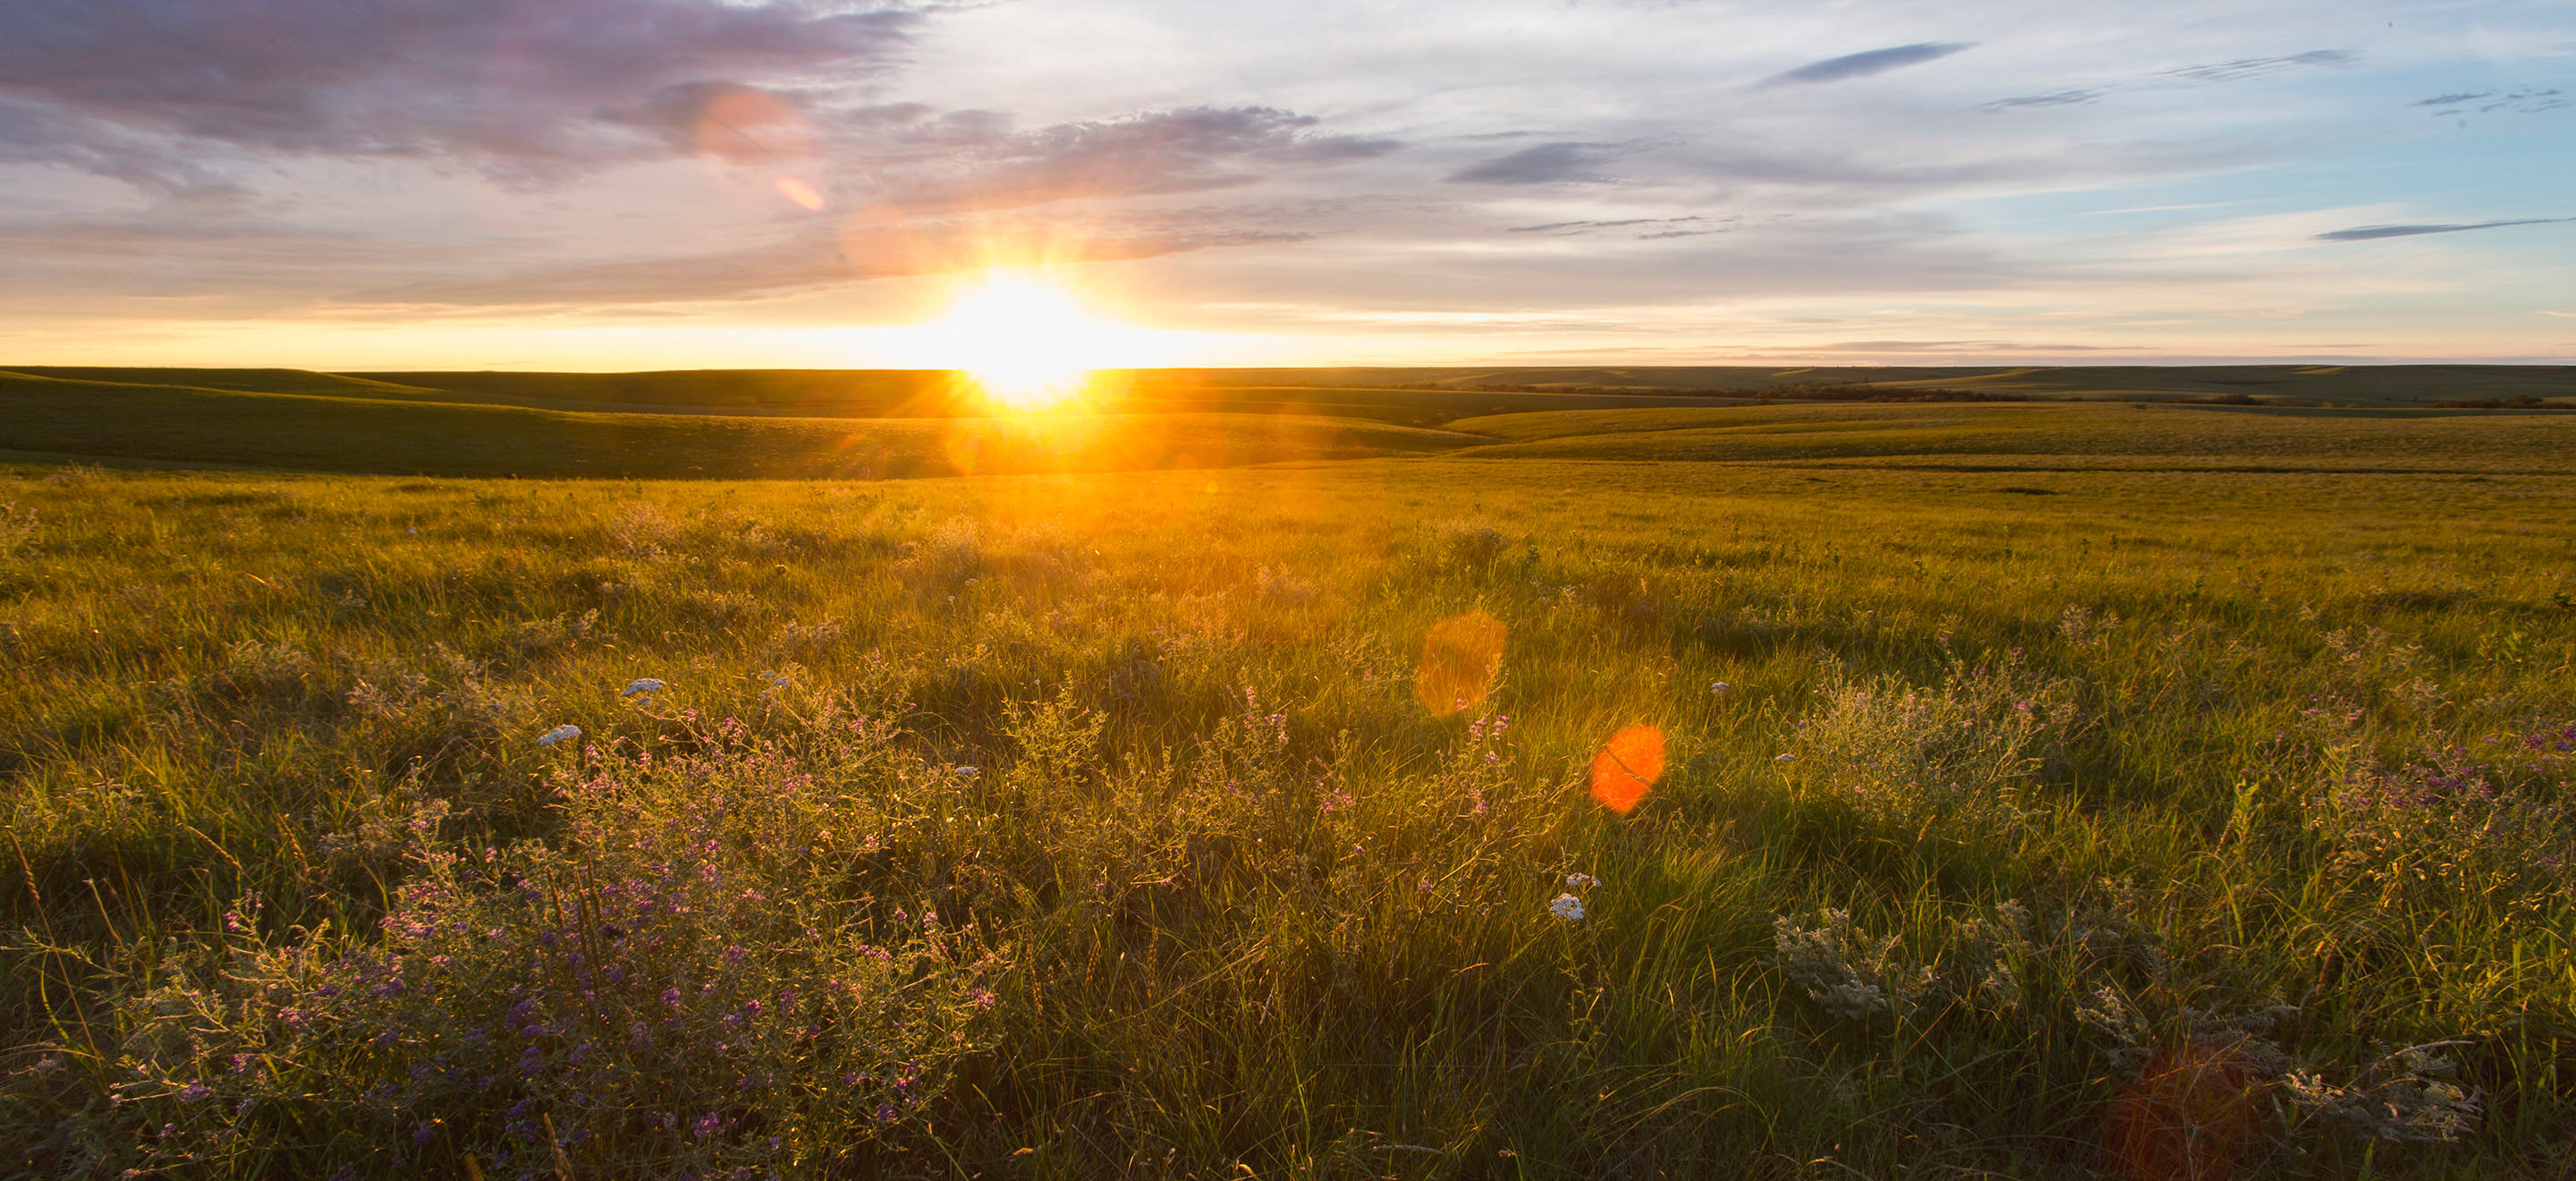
(565, 733)
(1786, 759)
(641, 685)
(1718, 686)
(1581, 881)
(1567, 907)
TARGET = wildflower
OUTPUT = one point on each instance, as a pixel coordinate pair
(564, 733)
(1786, 759)
(424, 1134)
(705, 1125)
(981, 998)
(1567, 907)
(1718, 686)
(1581, 881)
(195, 1093)
(641, 685)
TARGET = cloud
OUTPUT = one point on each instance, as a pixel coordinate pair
(1955, 346)
(2521, 101)
(2373, 233)
(1178, 151)
(2257, 67)
(520, 89)
(1554, 163)
(1648, 228)
(822, 255)
(1875, 61)
(2239, 70)
(2057, 98)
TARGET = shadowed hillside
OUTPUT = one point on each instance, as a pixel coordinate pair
(1411, 396)
(315, 433)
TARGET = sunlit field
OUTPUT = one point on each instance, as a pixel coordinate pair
(1764, 792)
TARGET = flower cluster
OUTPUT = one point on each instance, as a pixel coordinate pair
(688, 977)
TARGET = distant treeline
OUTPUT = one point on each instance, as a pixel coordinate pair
(1778, 393)
(2516, 402)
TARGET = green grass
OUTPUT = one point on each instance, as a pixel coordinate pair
(1235, 899)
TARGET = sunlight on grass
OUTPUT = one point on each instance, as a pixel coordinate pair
(2117, 833)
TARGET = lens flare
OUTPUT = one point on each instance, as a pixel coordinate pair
(1627, 768)
(743, 133)
(799, 192)
(2189, 1117)
(1460, 656)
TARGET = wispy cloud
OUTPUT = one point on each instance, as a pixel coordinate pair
(2373, 233)
(1956, 346)
(2257, 67)
(1646, 228)
(1555, 163)
(2239, 70)
(2525, 100)
(1875, 61)
(2054, 98)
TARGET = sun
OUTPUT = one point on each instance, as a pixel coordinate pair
(1025, 340)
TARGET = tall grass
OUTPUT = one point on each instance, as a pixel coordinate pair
(1092, 825)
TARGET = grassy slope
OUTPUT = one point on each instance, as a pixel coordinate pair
(2354, 385)
(266, 381)
(864, 393)
(1301, 964)
(2466, 441)
(304, 432)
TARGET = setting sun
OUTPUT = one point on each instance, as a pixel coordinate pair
(1027, 341)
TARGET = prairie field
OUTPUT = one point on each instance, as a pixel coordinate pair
(1798, 791)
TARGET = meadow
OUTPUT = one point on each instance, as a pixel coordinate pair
(1747, 791)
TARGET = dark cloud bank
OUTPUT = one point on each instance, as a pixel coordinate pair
(522, 89)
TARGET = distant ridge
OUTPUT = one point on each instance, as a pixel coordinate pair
(1366, 392)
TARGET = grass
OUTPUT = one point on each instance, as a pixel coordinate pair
(310, 432)
(2084, 435)
(2098, 775)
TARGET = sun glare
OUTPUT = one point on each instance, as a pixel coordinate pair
(1026, 341)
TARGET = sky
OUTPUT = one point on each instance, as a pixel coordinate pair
(637, 184)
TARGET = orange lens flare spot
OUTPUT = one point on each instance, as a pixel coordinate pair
(799, 192)
(1627, 768)
(2188, 1119)
(1460, 657)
